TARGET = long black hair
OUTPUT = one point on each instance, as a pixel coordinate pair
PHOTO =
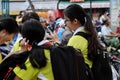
(37, 56)
(75, 11)
(33, 31)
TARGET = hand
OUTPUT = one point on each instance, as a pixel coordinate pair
(54, 37)
(24, 44)
(116, 35)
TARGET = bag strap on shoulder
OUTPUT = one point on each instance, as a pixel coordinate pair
(83, 34)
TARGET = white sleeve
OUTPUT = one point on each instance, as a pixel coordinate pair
(104, 30)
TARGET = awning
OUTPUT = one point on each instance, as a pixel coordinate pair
(15, 7)
(18, 0)
(86, 4)
(76, 0)
(12, 13)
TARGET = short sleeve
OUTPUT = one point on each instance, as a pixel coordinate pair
(30, 73)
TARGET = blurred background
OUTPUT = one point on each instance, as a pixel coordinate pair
(54, 8)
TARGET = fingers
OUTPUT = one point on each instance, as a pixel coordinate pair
(26, 43)
(53, 37)
(51, 34)
(23, 43)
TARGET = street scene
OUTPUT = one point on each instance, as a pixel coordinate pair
(59, 39)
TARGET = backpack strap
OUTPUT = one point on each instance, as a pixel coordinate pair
(83, 34)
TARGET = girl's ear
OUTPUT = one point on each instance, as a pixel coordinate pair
(75, 21)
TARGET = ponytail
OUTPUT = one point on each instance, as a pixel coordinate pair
(93, 42)
(37, 57)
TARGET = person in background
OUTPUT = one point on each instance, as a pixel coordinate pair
(60, 27)
(43, 22)
(66, 35)
(27, 16)
(19, 17)
(98, 25)
(8, 28)
(51, 22)
(105, 15)
(119, 18)
(63, 32)
(46, 28)
(109, 35)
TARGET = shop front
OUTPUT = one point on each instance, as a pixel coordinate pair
(94, 7)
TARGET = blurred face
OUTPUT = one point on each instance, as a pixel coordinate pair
(5, 37)
(108, 23)
(68, 23)
(43, 24)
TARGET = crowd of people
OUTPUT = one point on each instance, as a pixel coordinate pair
(33, 34)
(104, 30)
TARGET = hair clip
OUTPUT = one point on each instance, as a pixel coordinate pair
(85, 19)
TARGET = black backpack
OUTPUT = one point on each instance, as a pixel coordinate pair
(7, 66)
(68, 64)
(101, 68)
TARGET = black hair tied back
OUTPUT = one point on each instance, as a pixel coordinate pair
(37, 57)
